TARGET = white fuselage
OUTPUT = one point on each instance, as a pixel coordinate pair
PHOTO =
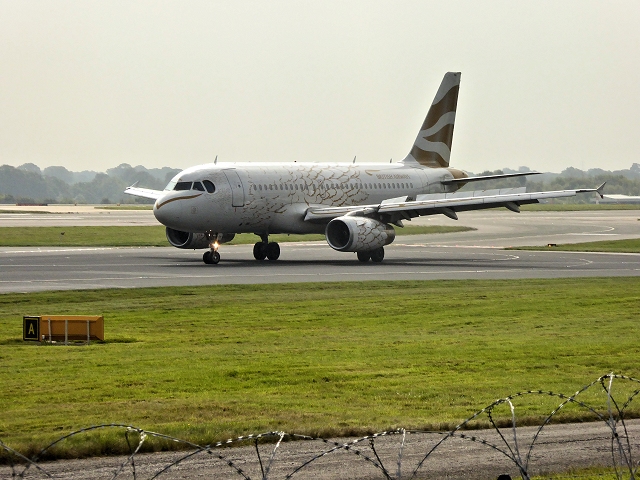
(273, 198)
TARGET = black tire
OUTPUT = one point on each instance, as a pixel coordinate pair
(377, 255)
(260, 251)
(215, 258)
(206, 257)
(273, 251)
(364, 256)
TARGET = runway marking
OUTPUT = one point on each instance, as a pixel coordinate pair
(62, 250)
(269, 275)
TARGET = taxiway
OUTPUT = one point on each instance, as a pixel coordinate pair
(477, 254)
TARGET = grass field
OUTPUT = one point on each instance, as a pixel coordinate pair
(209, 363)
(125, 206)
(620, 246)
(151, 236)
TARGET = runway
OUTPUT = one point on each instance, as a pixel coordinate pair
(468, 255)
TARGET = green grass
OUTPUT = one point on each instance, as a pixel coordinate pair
(126, 236)
(149, 236)
(573, 207)
(618, 246)
(36, 212)
(209, 363)
(125, 206)
(593, 473)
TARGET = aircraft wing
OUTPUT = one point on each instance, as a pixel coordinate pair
(447, 204)
(143, 192)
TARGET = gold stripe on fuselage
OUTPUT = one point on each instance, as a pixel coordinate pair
(177, 198)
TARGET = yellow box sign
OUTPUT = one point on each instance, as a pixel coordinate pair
(61, 328)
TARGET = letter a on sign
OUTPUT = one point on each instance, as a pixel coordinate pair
(31, 330)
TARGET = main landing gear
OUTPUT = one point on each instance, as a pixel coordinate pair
(376, 255)
(266, 249)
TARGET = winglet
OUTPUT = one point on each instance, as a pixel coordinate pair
(135, 184)
(600, 190)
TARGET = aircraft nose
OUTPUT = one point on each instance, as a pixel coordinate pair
(167, 210)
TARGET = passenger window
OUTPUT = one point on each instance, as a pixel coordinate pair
(209, 186)
(198, 186)
(183, 186)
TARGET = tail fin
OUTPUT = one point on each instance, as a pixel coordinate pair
(432, 147)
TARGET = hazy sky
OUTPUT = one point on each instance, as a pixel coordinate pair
(92, 84)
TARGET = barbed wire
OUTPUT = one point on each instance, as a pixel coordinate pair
(505, 442)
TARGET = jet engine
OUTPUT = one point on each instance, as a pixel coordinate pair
(194, 240)
(358, 234)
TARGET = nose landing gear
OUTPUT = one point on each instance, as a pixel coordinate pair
(212, 257)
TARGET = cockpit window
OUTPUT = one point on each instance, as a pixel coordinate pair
(183, 186)
(170, 185)
(209, 186)
(198, 186)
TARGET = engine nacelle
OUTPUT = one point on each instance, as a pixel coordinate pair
(194, 240)
(358, 234)
(187, 239)
(225, 237)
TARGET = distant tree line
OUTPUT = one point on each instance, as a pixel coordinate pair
(28, 184)
(625, 182)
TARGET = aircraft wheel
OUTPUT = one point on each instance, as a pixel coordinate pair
(206, 257)
(364, 256)
(215, 258)
(377, 255)
(260, 251)
(273, 251)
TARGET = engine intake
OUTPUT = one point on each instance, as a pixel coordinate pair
(358, 234)
(187, 239)
(194, 240)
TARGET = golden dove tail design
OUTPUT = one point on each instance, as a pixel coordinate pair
(432, 147)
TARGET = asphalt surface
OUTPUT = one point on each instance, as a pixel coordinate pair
(468, 255)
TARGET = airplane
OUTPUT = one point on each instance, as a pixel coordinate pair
(355, 205)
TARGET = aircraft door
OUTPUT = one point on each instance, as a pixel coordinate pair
(237, 190)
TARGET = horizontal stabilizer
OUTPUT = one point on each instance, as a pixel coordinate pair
(454, 181)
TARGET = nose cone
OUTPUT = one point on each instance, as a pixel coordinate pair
(168, 210)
